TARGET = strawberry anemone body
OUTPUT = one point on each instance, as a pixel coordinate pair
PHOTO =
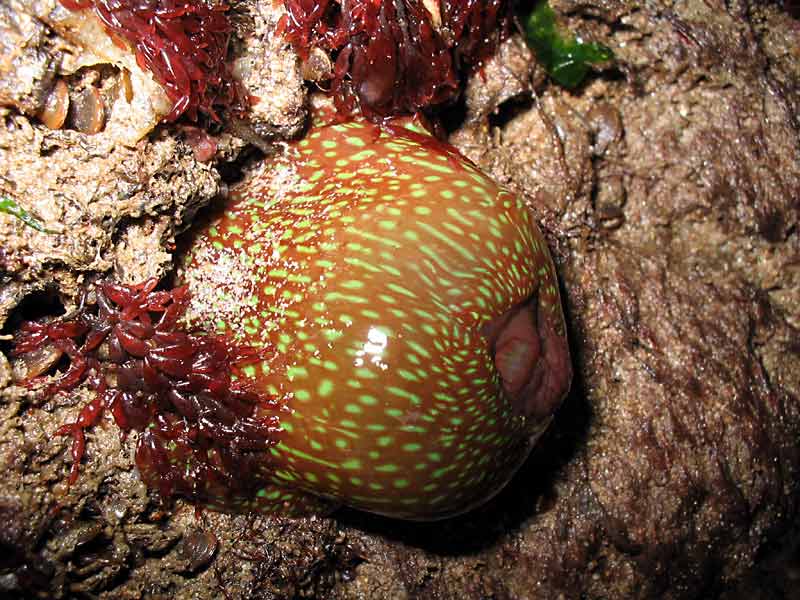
(408, 312)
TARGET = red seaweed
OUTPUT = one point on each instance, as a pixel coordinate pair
(390, 58)
(183, 43)
(202, 430)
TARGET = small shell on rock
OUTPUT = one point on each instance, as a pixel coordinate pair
(56, 106)
(197, 548)
(87, 112)
(605, 124)
(317, 66)
(35, 363)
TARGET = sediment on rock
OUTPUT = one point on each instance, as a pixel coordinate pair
(667, 186)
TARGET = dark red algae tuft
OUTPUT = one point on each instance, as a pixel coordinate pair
(183, 43)
(397, 57)
(203, 431)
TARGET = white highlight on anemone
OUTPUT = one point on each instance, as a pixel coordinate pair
(373, 349)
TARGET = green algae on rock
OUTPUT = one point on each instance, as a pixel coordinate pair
(10, 207)
(408, 312)
(566, 57)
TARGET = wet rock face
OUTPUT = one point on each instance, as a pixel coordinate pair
(671, 210)
(24, 43)
(667, 188)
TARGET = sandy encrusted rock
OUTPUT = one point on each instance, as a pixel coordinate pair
(87, 191)
(27, 61)
(269, 70)
(112, 201)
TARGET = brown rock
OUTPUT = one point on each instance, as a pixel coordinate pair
(668, 187)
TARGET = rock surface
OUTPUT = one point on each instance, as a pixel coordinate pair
(668, 185)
